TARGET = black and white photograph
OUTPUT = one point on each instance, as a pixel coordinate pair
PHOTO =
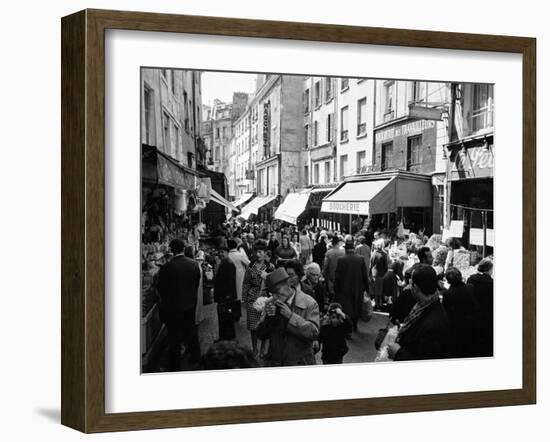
(305, 220)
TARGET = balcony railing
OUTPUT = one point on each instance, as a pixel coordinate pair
(389, 115)
(344, 135)
(361, 129)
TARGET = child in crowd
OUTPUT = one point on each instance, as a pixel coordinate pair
(335, 327)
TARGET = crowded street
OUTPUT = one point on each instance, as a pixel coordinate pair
(292, 220)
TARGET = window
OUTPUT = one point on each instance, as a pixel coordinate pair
(224, 132)
(343, 166)
(482, 107)
(328, 88)
(419, 91)
(361, 161)
(306, 175)
(315, 133)
(306, 135)
(387, 156)
(217, 133)
(306, 101)
(166, 127)
(344, 124)
(317, 94)
(414, 151)
(176, 142)
(327, 172)
(329, 128)
(149, 116)
(189, 159)
(186, 112)
(361, 117)
(344, 84)
(316, 174)
(388, 95)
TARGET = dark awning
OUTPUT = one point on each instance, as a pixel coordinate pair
(376, 193)
(159, 168)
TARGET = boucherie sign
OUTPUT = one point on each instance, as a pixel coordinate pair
(475, 162)
(350, 207)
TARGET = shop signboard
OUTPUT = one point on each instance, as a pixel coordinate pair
(173, 175)
(476, 237)
(404, 130)
(267, 129)
(474, 162)
(348, 207)
(425, 113)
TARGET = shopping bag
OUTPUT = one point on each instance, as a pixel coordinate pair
(366, 308)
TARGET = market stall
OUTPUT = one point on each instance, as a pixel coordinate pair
(170, 207)
(386, 198)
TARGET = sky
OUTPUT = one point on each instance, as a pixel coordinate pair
(221, 85)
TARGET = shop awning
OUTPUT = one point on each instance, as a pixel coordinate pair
(253, 206)
(380, 193)
(158, 167)
(243, 199)
(216, 197)
(292, 207)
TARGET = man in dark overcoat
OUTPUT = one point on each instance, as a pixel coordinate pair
(225, 294)
(351, 282)
(178, 283)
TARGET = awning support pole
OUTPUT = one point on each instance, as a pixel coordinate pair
(484, 219)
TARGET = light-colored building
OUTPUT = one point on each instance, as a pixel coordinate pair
(411, 134)
(171, 113)
(241, 153)
(319, 108)
(355, 123)
(277, 135)
(222, 126)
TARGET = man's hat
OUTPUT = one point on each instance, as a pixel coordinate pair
(276, 277)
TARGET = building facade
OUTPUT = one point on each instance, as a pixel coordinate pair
(171, 113)
(411, 128)
(242, 178)
(470, 166)
(276, 134)
(355, 124)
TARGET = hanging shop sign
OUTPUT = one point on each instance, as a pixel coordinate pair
(173, 175)
(425, 113)
(204, 189)
(267, 129)
(474, 162)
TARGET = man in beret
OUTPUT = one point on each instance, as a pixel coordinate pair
(291, 323)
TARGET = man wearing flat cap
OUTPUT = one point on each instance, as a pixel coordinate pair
(291, 323)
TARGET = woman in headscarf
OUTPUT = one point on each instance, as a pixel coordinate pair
(252, 289)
